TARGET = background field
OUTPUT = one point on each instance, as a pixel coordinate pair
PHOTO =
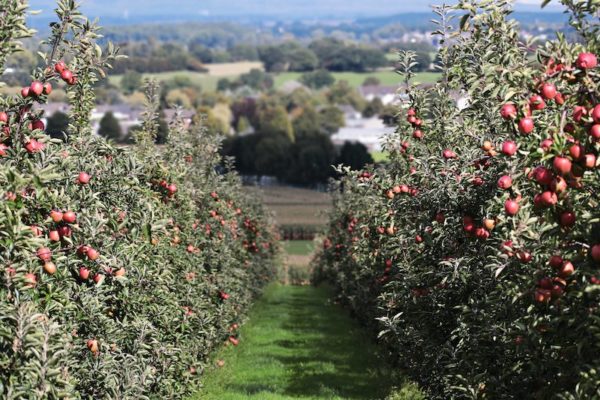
(208, 81)
(294, 206)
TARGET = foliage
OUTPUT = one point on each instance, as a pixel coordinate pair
(110, 127)
(474, 251)
(123, 267)
(317, 79)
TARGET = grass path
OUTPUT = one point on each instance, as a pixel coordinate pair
(297, 345)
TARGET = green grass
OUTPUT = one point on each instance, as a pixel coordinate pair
(207, 82)
(380, 156)
(299, 247)
(297, 345)
(356, 79)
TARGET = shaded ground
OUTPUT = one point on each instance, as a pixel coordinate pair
(297, 345)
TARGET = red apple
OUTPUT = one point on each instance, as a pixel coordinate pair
(543, 175)
(50, 268)
(92, 254)
(567, 219)
(3, 117)
(567, 269)
(596, 253)
(555, 261)
(511, 207)
(36, 88)
(69, 217)
(83, 178)
(595, 131)
(589, 161)
(596, 114)
(84, 273)
(44, 254)
(558, 185)
(59, 67)
(562, 165)
(548, 91)
(509, 148)
(54, 236)
(536, 102)
(56, 216)
(576, 151)
(505, 182)
(526, 126)
(508, 111)
(586, 61)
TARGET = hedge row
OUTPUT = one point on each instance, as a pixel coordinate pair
(123, 268)
(476, 251)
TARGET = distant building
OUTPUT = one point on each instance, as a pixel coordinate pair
(127, 116)
(368, 131)
(387, 94)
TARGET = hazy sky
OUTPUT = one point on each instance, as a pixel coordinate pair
(282, 8)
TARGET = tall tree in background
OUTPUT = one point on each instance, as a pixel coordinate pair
(110, 128)
(57, 125)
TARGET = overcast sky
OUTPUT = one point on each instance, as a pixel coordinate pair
(281, 8)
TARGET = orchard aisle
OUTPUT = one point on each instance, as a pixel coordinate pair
(297, 345)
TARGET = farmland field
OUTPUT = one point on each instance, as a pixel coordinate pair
(208, 81)
(294, 206)
(357, 78)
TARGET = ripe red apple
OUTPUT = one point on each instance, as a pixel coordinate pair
(548, 199)
(576, 151)
(56, 216)
(120, 272)
(567, 269)
(92, 254)
(586, 61)
(3, 117)
(542, 295)
(172, 188)
(558, 185)
(596, 253)
(560, 99)
(596, 114)
(589, 161)
(562, 165)
(505, 182)
(83, 178)
(526, 126)
(60, 67)
(546, 144)
(557, 291)
(595, 131)
(579, 112)
(44, 254)
(508, 111)
(511, 207)
(233, 340)
(3, 149)
(548, 91)
(84, 273)
(69, 217)
(418, 239)
(25, 92)
(37, 231)
(536, 102)
(509, 148)
(54, 236)
(30, 279)
(418, 134)
(64, 231)
(36, 88)
(482, 233)
(66, 75)
(50, 268)
(524, 256)
(223, 295)
(38, 125)
(543, 175)
(555, 261)
(477, 181)
(448, 154)
(545, 283)
(99, 278)
(47, 88)
(567, 219)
